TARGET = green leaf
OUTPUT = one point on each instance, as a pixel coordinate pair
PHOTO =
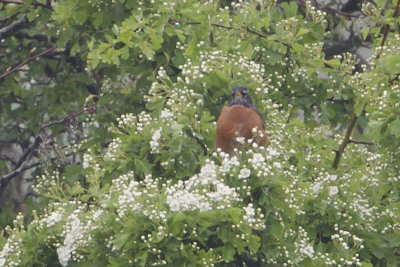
(395, 128)
(227, 253)
(359, 107)
(289, 8)
(120, 240)
(76, 190)
(366, 264)
(277, 230)
(391, 63)
(147, 50)
(72, 173)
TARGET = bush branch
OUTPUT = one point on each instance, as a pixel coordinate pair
(345, 141)
(174, 22)
(361, 142)
(387, 26)
(22, 164)
(198, 141)
(9, 70)
(20, 23)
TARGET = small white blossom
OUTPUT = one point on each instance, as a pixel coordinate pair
(240, 140)
(74, 232)
(165, 114)
(308, 251)
(54, 218)
(249, 210)
(257, 157)
(333, 190)
(154, 143)
(333, 177)
(277, 165)
(244, 173)
(316, 188)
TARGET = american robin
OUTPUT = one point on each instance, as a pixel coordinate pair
(238, 119)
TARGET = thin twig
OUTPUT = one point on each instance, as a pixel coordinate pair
(345, 142)
(17, 171)
(203, 146)
(361, 142)
(174, 21)
(391, 81)
(22, 163)
(387, 27)
(9, 71)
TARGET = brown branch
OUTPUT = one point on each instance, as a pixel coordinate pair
(387, 27)
(9, 70)
(345, 142)
(203, 146)
(361, 142)
(20, 23)
(174, 21)
(35, 3)
(22, 163)
(5, 178)
(391, 81)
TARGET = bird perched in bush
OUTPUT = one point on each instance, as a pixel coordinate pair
(236, 122)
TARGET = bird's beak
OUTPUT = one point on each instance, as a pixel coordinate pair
(238, 94)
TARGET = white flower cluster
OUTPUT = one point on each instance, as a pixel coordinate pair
(251, 217)
(325, 179)
(73, 233)
(53, 218)
(11, 252)
(228, 163)
(166, 114)
(244, 173)
(113, 149)
(47, 183)
(303, 248)
(137, 196)
(154, 143)
(90, 162)
(126, 120)
(128, 200)
(76, 234)
(211, 60)
(12, 245)
(194, 195)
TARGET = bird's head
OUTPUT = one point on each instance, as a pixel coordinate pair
(240, 96)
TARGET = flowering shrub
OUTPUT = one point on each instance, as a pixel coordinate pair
(159, 193)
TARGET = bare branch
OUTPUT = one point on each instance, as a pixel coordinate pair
(391, 81)
(5, 178)
(22, 164)
(203, 146)
(361, 142)
(345, 142)
(177, 22)
(20, 23)
(9, 70)
(387, 27)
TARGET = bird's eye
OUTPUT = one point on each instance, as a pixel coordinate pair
(244, 92)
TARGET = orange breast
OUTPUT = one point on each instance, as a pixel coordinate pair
(239, 119)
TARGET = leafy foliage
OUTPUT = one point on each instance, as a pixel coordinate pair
(148, 187)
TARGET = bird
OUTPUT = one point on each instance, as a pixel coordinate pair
(237, 119)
